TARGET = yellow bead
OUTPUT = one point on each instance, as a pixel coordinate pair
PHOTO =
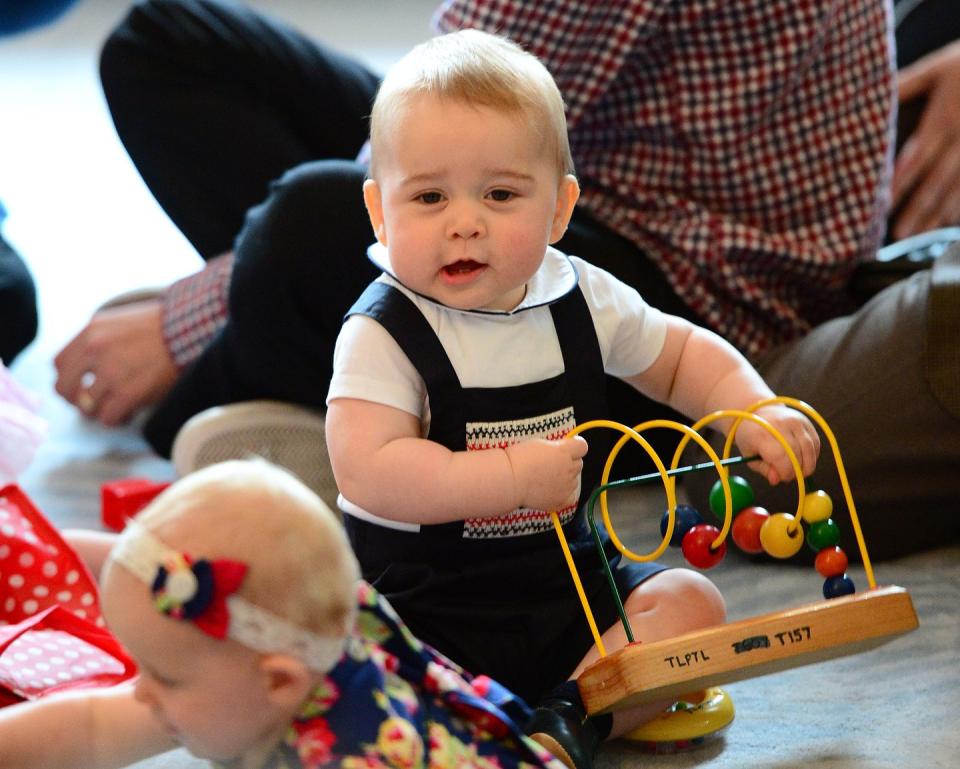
(781, 535)
(817, 506)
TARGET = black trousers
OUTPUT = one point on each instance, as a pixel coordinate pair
(18, 303)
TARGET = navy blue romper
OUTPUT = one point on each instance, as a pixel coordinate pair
(495, 595)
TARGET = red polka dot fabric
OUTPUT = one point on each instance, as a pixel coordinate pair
(37, 568)
(51, 631)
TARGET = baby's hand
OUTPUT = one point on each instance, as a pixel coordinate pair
(774, 463)
(547, 473)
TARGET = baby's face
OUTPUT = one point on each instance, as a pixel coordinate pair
(466, 199)
(207, 693)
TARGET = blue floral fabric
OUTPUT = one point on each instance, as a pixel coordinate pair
(394, 702)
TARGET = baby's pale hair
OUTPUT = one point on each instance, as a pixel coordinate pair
(301, 566)
(478, 69)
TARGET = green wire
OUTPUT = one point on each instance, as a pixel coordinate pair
(636, 480)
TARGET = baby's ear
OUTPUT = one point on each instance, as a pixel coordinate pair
(374, 202)
(287, 680)
(567, 195)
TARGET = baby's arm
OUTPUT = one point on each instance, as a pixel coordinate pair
(99, 729)
(697, 372)
(382, 465)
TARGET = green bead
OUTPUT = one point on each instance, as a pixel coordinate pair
(740, 493)
(823, 534)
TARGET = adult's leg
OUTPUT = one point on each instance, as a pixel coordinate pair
(300, 264)
(18, 302)
(214, 101)
(887, 381)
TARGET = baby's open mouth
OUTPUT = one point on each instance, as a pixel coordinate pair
(463, 267)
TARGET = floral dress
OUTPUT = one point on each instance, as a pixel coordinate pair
(394, 702)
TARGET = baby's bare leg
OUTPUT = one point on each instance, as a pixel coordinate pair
(666, 605)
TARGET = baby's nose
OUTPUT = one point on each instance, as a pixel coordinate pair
(466, 222)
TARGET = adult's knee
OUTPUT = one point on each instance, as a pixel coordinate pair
(312, 219)
(18, 306)
(300, 258)
(146, 39)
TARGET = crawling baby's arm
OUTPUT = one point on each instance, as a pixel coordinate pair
(95, 729)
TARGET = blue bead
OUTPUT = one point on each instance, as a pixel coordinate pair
(834, 587)
(687, 517)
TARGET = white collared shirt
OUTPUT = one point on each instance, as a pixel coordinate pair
(492, 348)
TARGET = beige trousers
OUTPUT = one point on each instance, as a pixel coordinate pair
(887, 381)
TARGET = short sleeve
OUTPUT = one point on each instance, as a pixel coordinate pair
(631, 333)
(369, 365)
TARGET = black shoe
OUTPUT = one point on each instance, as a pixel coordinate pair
(564, 729)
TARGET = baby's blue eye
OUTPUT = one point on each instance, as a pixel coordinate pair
(430, 198)
(501, 196)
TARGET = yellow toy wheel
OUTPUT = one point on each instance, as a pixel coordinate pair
(688, 723)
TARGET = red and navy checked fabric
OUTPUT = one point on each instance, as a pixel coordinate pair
(745, 146)
(195, 308)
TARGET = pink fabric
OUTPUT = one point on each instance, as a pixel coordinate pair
(22, 430)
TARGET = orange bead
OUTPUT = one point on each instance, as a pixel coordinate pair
(831, 562)
(781, 535)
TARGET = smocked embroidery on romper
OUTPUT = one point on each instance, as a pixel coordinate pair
(499, 435)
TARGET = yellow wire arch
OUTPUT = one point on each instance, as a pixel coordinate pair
(669, 482)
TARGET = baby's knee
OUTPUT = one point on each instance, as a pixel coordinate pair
(688, 594)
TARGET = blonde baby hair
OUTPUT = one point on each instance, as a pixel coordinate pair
(301, 566)
(478, 69)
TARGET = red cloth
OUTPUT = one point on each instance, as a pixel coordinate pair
(52, 635)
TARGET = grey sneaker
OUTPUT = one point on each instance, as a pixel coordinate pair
(289, 436)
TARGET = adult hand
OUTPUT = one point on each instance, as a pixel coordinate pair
(118, 363)
(926, 176)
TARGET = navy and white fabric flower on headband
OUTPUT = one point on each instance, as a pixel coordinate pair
(197, 591)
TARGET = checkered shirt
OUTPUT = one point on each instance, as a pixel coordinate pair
(195, 308)
(743, 144)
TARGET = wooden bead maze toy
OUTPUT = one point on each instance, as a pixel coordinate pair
(845, 622)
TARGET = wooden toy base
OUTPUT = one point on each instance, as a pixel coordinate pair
(667, 669)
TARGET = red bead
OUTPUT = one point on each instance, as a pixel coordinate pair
(696, 546)
(831, 562)
(746, 529)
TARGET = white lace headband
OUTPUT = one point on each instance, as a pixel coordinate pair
(202, 592)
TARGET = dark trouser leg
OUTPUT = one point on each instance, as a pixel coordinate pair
(18, 303)
(213, 102)
(300, 264)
